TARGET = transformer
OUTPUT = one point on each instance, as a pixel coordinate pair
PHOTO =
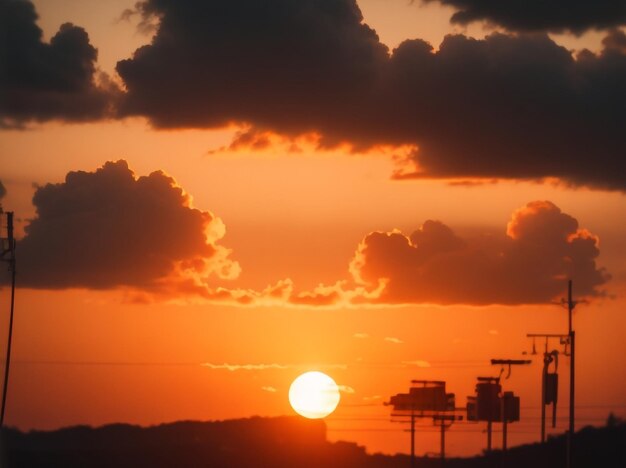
(511, 406)
(488, 401)
(551, 389)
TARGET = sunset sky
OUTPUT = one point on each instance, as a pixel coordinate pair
(215, 197)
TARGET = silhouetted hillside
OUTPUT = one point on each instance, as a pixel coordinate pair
(284, 442)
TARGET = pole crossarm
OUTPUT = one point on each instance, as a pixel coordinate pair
(546, 335)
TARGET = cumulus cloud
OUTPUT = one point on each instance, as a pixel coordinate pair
(45, 81)
(508, 106)
(219, 61)
(514, 107)
(575, 16)
(542, 248)
(111, 229)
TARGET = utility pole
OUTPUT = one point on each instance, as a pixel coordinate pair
(549, 381)
(509, 404)
(412, 438)
(8, 255)
(572, 338)
(444, 421)
(426, 399)
(567, 340)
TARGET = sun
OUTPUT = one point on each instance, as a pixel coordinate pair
(314, 395)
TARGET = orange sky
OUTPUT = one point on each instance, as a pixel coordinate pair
(87, 356)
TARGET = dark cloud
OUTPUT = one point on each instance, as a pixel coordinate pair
(542, 248)
(502, 107)
(110, 229)
(513, 107)
(253, 139)
(615, 41)
(576, 16)
(40, 81)
(282, 64)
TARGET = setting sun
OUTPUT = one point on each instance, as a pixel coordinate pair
(314, 395)
(290, 231)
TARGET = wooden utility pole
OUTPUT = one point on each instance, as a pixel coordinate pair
(426, 399)
(572, 340)
(568, 340)
(412, 438)
(8, 255)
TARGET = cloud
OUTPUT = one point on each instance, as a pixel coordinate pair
(615, 41)
(45, 81)
(575, 16)
(111, 229)
(252, 139)
(285, 59)
(269, 389)
(262, 367)
(508, 106)
(542, 248)
(515, 107)
(391, 339)
(418, 363)
(372, 398)
(247, 367)
(360, 335)
(346, 389)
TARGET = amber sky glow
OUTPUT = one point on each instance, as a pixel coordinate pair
(133, 347)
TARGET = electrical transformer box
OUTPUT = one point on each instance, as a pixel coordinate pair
(511, 406)
(429, 398)
(551, 389)
(488, 401)
(472, 410)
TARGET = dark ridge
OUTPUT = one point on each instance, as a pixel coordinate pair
(271, 442)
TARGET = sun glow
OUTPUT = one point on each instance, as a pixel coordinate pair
(314, 395)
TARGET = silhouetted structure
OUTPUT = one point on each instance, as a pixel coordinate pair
(549, 382)
(426, 399)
